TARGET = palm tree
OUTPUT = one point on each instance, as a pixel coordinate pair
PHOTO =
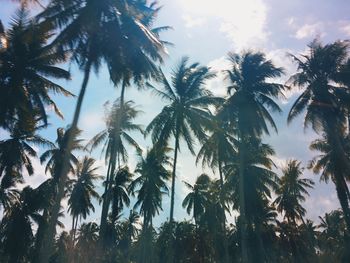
(324, 99)
(87, 242)
(292, 191)
(259, 179)
(16, 226)
(197, 198)
(151, 184)
(248, 109)
(28, 65)
(326, 164)
(104, 31)
(53, 158)
(83, 191)
(119, 124)
(120, 191)
(187, 113)
(17, 153)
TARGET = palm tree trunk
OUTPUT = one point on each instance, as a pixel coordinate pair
(173, 176)
(47, 247)
(226, 258)
(340, 186)
(244, 240)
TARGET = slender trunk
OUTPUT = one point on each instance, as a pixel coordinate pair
(244, 243)
(226, 257)
(173, 176)
(344, 202)
(47, 247)
(122, 94)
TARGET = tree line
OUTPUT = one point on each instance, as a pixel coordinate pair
(271, 223)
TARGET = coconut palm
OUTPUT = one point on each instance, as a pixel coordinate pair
(259, 180)
(151, 184)
(83, 191)
(28, 68)
(248, 107)
(187, 113)
(119, 124)
(324, 100)
(291, 192)
(197, 198)
(87, 242)
(17, 153)
(326, 164)
(120, 191)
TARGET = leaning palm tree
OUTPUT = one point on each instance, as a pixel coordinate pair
(187, 114)
(83, 191)
(292, 191)
(105, 31)
(197, 198)
(151, 184)
(248, 107)
(324, 99)
(28, 67)
(119, 124)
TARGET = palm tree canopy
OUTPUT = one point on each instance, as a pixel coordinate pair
(189, 100)
(80, 199)
(119, 124)
(115, 32)
(292, 190)
(197, 198)
(151, 184)
(54, 156)
(319, 77)
(252, 92)
(28, 65)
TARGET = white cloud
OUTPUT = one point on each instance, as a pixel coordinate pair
(244, 23)
(217, 85)
(193, 22)
(346, 29)
(310, 30)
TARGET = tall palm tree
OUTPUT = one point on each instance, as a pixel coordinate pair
(324, 100)
(151, 184)
(291, 192)
(248, 110)
(187, 113)
(259, 180)
(87, 242)
(83, 191)
(119, 124)
(28, 66)
(104, 31)
(53, 158)
(197, 198)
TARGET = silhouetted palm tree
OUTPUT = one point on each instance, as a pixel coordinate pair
(83, 191)
(27, 69)
(186, 115)
(119, 124)
(151, 184)
(292, 191)
(248, 109)
(87, 242)
(324, 100)
(197, 198)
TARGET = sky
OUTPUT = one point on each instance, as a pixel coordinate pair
(206, 31)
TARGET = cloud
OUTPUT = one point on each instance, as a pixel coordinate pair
(346, 29)
(310, 30)
(244, 23)
(193, 22)
(218, 85)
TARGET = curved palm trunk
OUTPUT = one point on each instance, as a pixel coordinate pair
(244, 240)
(47, 247)
(173, 177)
(226, 258)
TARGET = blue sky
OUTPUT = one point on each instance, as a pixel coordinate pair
(206, 31)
